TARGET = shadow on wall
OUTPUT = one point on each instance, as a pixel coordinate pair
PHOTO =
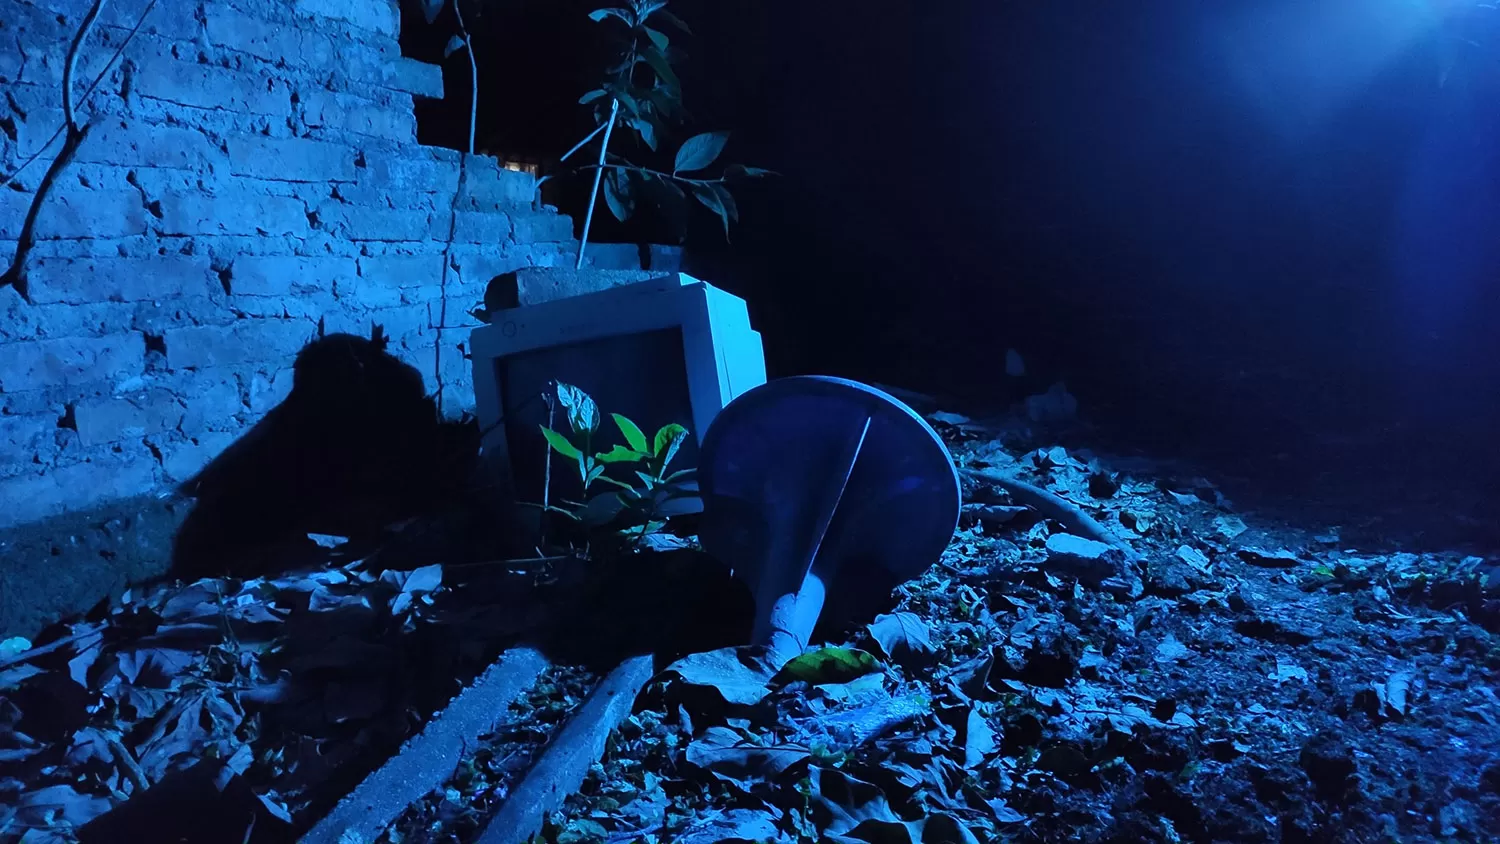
(356, 446)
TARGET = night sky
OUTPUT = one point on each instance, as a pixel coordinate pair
(1256, 233)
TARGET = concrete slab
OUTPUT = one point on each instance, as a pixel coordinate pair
(428, 760)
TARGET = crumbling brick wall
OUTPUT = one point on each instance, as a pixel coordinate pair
(252, 172)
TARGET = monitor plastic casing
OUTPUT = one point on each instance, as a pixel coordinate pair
(670, 349)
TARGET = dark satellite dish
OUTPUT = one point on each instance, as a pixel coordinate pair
(816, 487)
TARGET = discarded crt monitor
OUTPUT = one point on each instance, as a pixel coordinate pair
(670, 349)
(820, 490)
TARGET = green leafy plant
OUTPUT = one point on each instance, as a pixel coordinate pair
(644, 507)
(642, 96)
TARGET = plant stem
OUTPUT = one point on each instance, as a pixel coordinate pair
(581, 144)
(660, 174)
(588, 220)
(473, 75)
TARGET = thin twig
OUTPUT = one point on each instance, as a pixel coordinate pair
(588, 220)
(581, 144)
(473, 75)
(88, 92)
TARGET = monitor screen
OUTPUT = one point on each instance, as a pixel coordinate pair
(641, 376)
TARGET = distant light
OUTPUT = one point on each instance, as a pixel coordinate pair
(522, 166)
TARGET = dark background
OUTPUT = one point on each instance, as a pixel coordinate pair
(1261, 236)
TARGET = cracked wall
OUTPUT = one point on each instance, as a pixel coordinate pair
(252, 170)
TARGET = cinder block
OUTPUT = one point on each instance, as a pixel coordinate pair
(475, 267)
(481, 227)
(368, 293)
(401, 322)
(231, 28)
(128, 143)
(380, 16)
(267, 392)
(81, 281)
(245, 342)
(70, 214)
(419, 79)
(402, 270)
(281, 275)
(25, 438)
(489, 187)
(110, 420)
(176, 21)
(157, 318)
(410, 172)
(33, 497)
(232, 213)
(41, 364)
(382, 224)
(181, 460)
(290, 159)
(212, 396)
(542, 227)
(19, 321)
(350, 114)
(211, 87)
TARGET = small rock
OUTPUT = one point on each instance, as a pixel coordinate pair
(1171, 650)
(953, 420)
(994, 515)
(1193, 557)
(1103, 484)
(1055, 405)
(1089, 561)
(1229, 527)
(1329, 763)
(1280, 558)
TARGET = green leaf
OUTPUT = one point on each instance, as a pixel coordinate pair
(583, 414)
(658, 38)
(658, 62)
(560, 444)
(716, 198)
(599, 15)
(740, 171)
(593, 474)
(617, 195)
(632, 432)
(679, 475)
(455, 44)
(828, 666)
(700, 151)
(672, 19)
(667, 441)
(431, 8)
(648, 479)
(621, 485)
(593, 96)
(646, 129)
(620, 454)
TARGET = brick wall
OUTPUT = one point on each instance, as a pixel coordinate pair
(252, 170)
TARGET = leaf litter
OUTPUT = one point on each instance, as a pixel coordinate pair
(1236, 681)
(1229, 680)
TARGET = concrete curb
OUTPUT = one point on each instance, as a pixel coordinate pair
(428, 760)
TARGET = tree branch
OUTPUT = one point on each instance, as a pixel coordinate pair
(88, 92)
(15, 276)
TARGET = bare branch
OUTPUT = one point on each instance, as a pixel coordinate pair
(88, 92)
(15, 276)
